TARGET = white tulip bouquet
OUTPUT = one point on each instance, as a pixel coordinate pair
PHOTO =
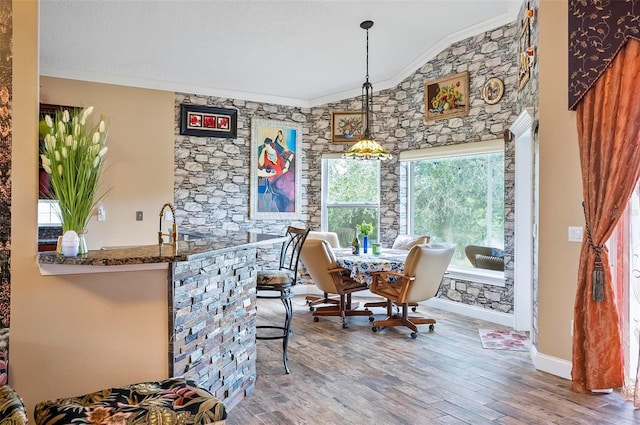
(74, 153)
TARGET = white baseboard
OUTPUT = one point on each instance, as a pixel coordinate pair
(472, 311)
(552, 365)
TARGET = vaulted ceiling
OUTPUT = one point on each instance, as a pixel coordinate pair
(295, 52)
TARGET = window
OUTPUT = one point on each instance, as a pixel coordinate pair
(48, 213)
(456, 194)
(350, 196)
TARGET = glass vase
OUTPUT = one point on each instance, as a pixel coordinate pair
(365, 243)
(82, 244)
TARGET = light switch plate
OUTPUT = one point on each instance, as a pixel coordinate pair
(102, 216)
(575, 234)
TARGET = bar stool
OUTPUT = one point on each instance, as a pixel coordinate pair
(281, 280)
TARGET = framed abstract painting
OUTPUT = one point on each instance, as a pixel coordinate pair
(275, 170)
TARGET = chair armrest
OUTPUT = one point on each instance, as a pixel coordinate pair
(386, 274)
(343, 282)
(338, 270)
(395, 290)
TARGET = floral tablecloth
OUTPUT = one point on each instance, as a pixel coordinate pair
(364, 265)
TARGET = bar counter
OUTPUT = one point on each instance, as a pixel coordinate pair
(187, 250)
(211, 298)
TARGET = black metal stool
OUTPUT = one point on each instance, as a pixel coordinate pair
(282, 281)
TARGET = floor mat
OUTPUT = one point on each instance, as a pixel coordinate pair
(504, 340)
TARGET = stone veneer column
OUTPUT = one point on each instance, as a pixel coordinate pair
(212, 322)
(6, 69)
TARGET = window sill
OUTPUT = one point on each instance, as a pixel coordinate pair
(487, 277)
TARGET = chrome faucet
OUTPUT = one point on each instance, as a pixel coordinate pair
(173, 236)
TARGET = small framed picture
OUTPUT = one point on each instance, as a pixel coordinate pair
(207, 121)
(346, 126)
(447, 97)
(493, 90)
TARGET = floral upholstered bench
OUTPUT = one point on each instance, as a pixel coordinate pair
(12, 411)
(175, 401)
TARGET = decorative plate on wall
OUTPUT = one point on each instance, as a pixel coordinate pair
(493, 90)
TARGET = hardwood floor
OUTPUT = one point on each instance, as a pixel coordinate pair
(355, 376)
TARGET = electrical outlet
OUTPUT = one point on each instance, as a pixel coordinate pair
(102, 215)
(138, 215)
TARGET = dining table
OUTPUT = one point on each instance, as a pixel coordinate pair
(362, 266)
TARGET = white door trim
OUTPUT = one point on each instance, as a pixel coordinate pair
(523, 226)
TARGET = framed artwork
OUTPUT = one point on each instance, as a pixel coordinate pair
(346, 126)
(447, 97)
(493, 90)
(207, 121)
(275, 170)
(524, 51)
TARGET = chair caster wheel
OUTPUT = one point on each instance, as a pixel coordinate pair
(414, 335)
(371, 319)
(374, 329)
(312, 308)
(414, 309)
(432, 328)
(316, 319)
(345, 326)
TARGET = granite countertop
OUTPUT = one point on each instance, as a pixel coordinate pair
(148, 254)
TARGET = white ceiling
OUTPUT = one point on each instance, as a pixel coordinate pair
(295, 52)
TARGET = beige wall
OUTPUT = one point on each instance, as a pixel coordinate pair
(560, 186)
(75, 334)
(60, 342)
(139, 168)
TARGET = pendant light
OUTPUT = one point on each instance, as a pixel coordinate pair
(367, 148)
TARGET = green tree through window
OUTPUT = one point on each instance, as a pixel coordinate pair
(459, 199)
(352, 196)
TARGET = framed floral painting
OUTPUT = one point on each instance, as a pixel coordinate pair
(275, 170)
(447, 97)
(346, 126)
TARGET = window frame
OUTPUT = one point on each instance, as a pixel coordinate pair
(489, 277)
(324, 215)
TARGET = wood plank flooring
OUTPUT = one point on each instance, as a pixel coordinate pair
(355, 376)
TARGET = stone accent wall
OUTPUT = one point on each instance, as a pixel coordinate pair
(6, 69)
(212, 323)
(212, 175)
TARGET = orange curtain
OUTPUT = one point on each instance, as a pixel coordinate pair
(608, 120)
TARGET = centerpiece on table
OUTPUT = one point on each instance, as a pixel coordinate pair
(73, 155)
(365, 230)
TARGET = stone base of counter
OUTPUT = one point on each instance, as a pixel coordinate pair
(213, 323)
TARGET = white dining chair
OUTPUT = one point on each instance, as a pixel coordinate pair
(423, 272)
